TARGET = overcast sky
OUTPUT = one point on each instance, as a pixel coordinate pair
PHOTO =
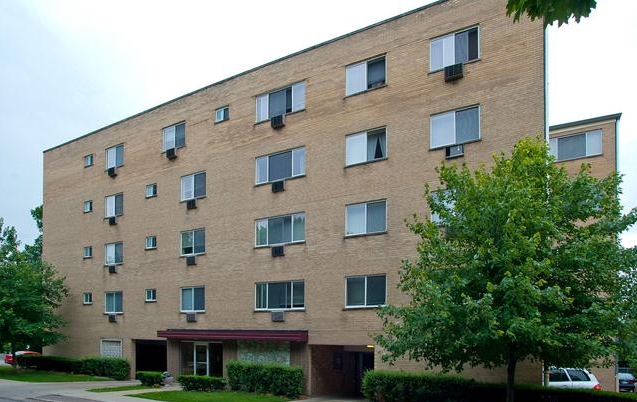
(69, 67)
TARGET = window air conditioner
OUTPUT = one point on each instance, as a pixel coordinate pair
(112, 269)
(112, 171)
(112, 220)
(191, 317)
(278, 251)
(170, 154)
(191, 204)
(277, 316)
(277, 121)
(278, 186)
(191, 260)
(454, 72)
(454, 151)
(112, 318)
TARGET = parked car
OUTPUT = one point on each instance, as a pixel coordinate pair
(626, 382)
(8, 358)
(573, 378)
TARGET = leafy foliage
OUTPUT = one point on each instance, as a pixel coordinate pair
(278, 379)
(551, 10)
(201, 383)
(150, 378)
(110, 367)
(525, 265)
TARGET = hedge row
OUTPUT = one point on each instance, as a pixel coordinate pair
(110, 367)
(277, 379)
(150, 378)
(201, 383)
(392, 386)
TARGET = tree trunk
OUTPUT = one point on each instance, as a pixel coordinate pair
(513, 360)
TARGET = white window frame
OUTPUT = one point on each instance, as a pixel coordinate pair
(188, 186)
(192, 231)
(110, 250)
(447, 44)
(356, 76)
(264, 162)
(88, 206)
(87, 298)
(88, 160)
(118, 349)
(111, 156)
(151, 190)
(169, 136)
(106, 302)
(364, 205)
(151, 242)
(265, 221)
(450, 116)
(351, 142)
(268, 308)
(298, 101)
(181, 299)
(366, 304)
(110, 205)
(592, 134)
(150, 295)
(88, 252)
(222, 114)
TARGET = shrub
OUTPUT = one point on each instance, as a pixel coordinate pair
(111, 367)
(49, 363)
(201, 383)
(149, 378)
(277, 379)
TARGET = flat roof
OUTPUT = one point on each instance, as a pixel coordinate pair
(235, 334)
(599, 119)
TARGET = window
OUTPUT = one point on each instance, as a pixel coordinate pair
(114, 205)
(193, 299)
(455, 127)
(444, 197)
(280, 230)
(87, 298)
(151, 295)
(113, 253)
(193, 242)
(110, 348)
(362, 76)
(115, 156)
(282, 101)
(459, 47)
(174, 136)
(88, 252)
(151, 190)
(366, 218)
(365, 147)
(113, 303)
(222, 114)
(365, 291)
(280, 166)
(576, 146)
(151, 242)
(88, 206)
(88, 160)
(193, 186)
(280, 295)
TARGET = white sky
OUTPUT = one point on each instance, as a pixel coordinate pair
(69, 67)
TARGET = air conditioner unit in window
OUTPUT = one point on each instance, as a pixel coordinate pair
(191, 204)
(277, 316)
(454, 72)
(112, 318)
(278, 186)
(191, 317)
(112, 269)
(170, 154)
(454, 151)
(278, 251)
(277, 121)
(112, 220)
(191, 260)
(112, 171)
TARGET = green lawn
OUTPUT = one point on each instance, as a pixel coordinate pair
(124, 388)
(9, 373)
(218, 396)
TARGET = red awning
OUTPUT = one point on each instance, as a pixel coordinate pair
(234, 334)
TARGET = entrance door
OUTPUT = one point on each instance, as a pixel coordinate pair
(201, 359)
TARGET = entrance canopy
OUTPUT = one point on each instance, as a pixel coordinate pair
(234, 334)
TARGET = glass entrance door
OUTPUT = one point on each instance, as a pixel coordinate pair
(194, 358)
(201, 359)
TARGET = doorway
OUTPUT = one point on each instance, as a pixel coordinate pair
(150, 355)
(199, 358)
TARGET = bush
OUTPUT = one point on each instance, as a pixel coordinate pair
(394, 386)
(111, 367)
(149, 378)
(201, 383)
(49, 363)
(277, 379)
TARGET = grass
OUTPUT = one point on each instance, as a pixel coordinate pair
(123, 388)
(217, 396)
(9, 373)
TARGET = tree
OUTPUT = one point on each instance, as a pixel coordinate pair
(551, 10)
(33, 253)
(30, 292)
(524, 264)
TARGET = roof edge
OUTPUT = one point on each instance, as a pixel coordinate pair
(615, 116)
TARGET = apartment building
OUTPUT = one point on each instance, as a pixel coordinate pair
(261, 218)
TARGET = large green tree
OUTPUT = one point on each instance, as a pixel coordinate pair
(523, 263)
(30, 292)
(550, 10)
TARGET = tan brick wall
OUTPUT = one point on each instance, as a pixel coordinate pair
(507, 83)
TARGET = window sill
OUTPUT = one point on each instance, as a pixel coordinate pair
(268, 183)
(267, 246)
(117, 264)
(150, 248)
(366, 90)
(87, 304)
(87, 212)
(87, 258)
(176, 148)
(257, 123)
(366, 162)
(442, 147)
(189, 255)
(221, 121)
(364, 234)
(115, 313)
(578, 157)
(151, 196)
(351, 308)
(192, 312)
(465, 63)
(287, 310)
(150, 301)
(189, 199)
